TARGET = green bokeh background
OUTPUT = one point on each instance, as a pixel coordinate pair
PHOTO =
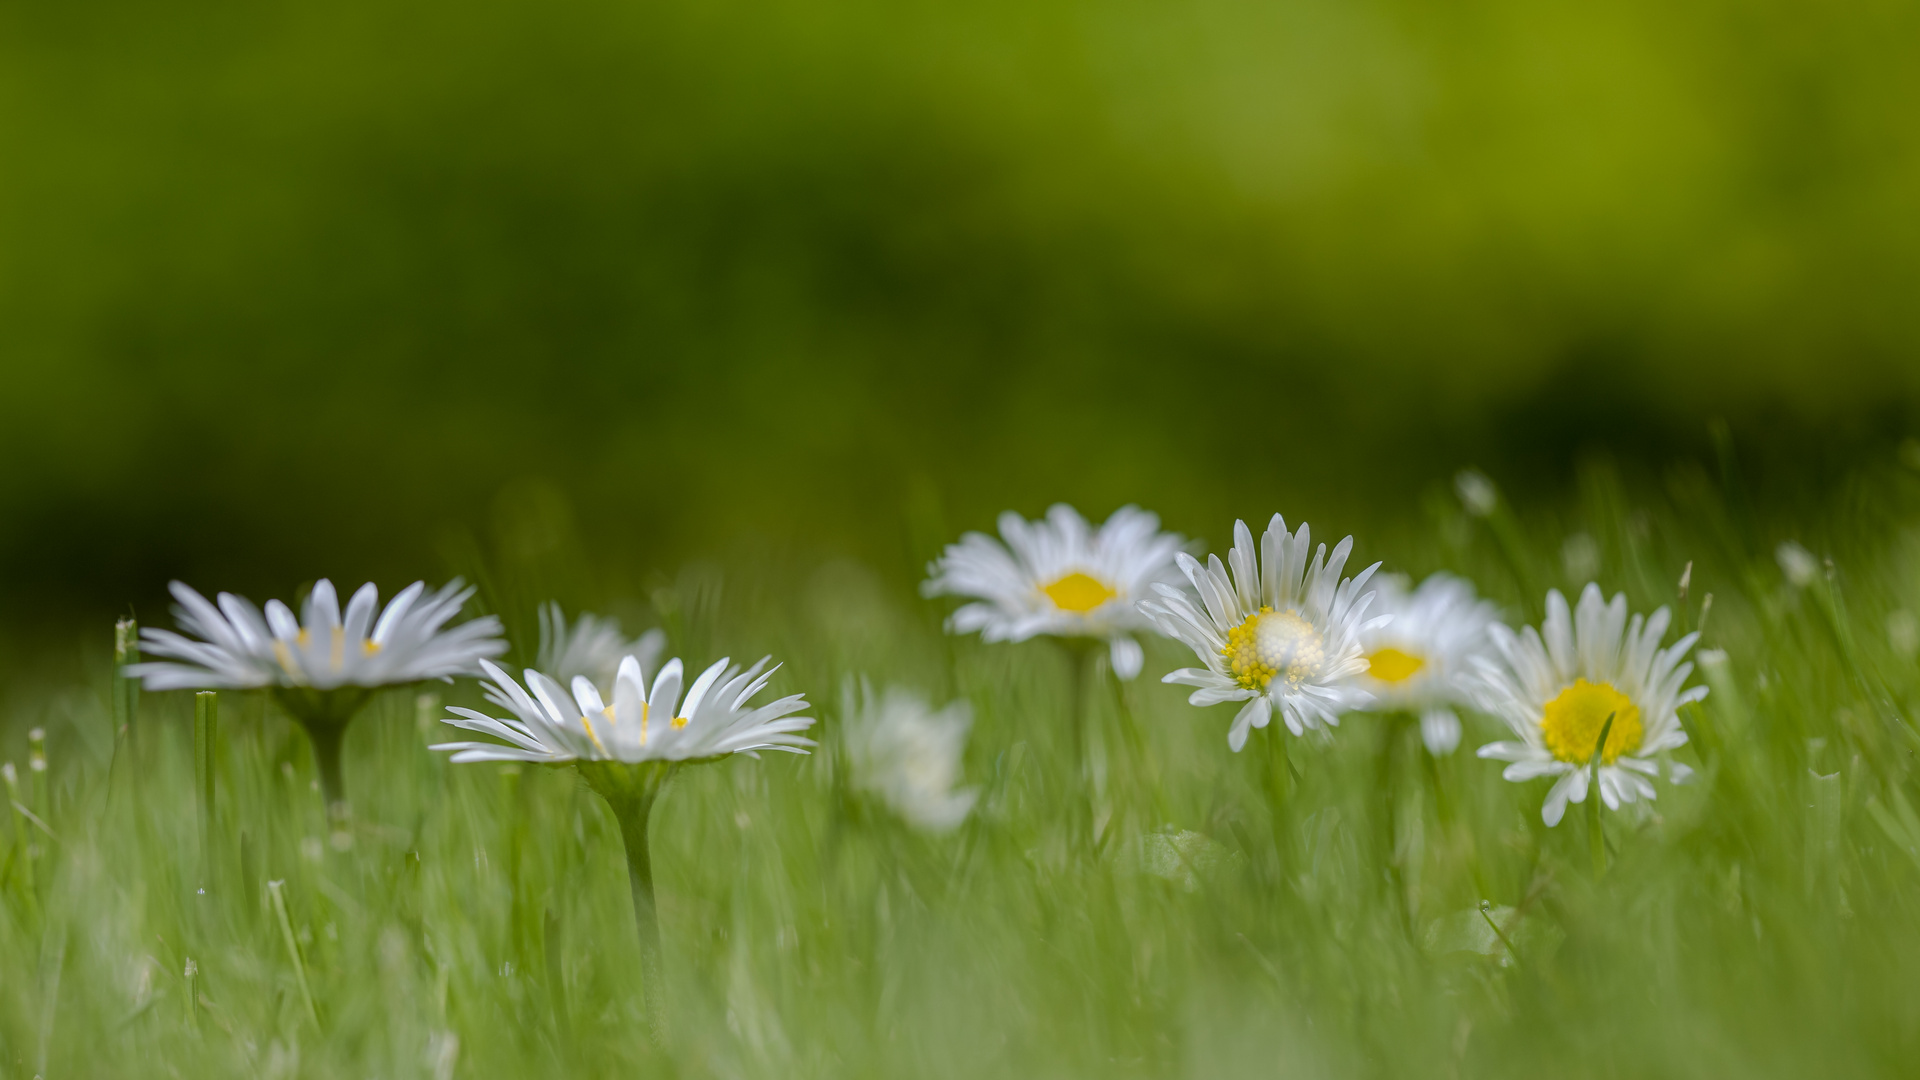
(292, 290)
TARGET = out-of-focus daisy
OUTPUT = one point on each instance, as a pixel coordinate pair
(1280, 632)
(239, 646)
(1421, 662)
(626, 751)
(1557, 687)
(1058, 577)
(592, 646)
(324, 666)
(906, 754)
(1797, 563)
(1476, 492)
(555, 725)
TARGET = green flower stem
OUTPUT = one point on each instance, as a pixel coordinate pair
(1279, 785)
(324, 715)
(1444, 811)
(206, 731)
(1393, 725)
(630, 791)
(1596, 836)
(1143, 770)
(1080, 660)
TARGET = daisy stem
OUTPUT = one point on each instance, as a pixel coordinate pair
(1143, 770)
(327, 739)
(206, 728)
(1596, 836)
(630, 791)
(324, 716)
(1080, 657)
(1279, 784)
(1443, 808)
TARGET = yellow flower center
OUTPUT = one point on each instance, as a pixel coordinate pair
(1078, 592)
(679, 722)
(1390, 665)
(1274, 644)
(1571, 723)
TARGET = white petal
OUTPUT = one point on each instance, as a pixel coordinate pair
(1256, 713)
(1440, 730)
(1571, 788)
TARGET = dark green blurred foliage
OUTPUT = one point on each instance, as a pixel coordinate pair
(291, 289)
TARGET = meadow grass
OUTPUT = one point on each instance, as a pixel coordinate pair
(1315, 914)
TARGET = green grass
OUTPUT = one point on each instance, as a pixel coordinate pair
(1759, 922)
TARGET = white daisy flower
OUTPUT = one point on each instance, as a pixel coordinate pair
(1557, 687)
(552, 726)
(1058, 577)
(626, 751)
(1421, 662)
(240, 647)
(592, 646)
(1280, 633)
(907, 754)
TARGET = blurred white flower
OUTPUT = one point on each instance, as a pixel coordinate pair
(1421, 662)
(1059, 577)
(1557, 687)
(1799, 564)
(1903, 633)
(907, 754)
(592, 646)
(1280, 633)
(551, 726)
(1580, 555)
(1476, 492)
(241, 647)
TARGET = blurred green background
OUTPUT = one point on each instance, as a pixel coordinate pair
(362, 289)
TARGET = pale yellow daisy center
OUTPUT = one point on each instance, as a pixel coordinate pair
(1391, 665)
(1274, 644)
(586, 721)
(1571, 723)
(646, 714)
(1078, 592)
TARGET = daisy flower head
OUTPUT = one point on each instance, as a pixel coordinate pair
(1059, 577)
(1276, 629)
(592, 646)
(907, 754)
(555, 724)
(234, 645)
(1558, 687)
(325, 666)
(1421, 662)
(627, 749)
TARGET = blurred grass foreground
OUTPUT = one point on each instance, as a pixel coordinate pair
(178, 903)
(724, 318)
